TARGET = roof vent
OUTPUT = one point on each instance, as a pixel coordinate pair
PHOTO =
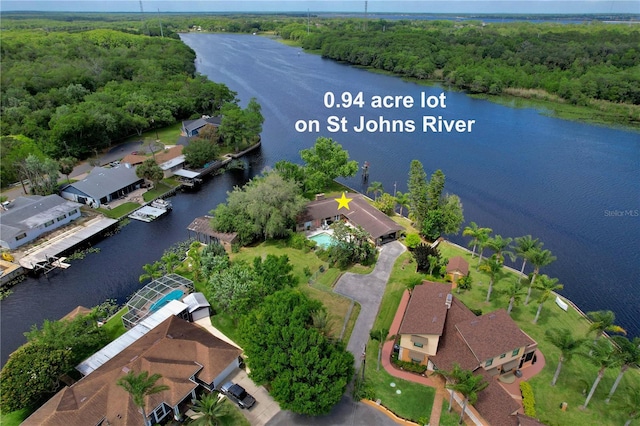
(125, 369)
(440, 295)
(434, 319)
(447, 302)
(492, 316)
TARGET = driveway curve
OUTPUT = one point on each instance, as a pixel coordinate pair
(368, 290)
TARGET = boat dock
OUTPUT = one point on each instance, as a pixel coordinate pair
(47, 252)
(147, 213)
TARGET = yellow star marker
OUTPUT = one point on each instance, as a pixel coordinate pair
(343, 201)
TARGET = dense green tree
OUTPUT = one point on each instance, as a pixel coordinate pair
(423, 253)
(235, 290)
(149, 170)
(139, 386)
(240, 128)
(266, 207)
(628, 355)
(568, 345)
(386, 203)
(324, 162)
(306, 372)
(31, 374)
(629, 403)
(291, 171)
(273, 273)
(200, 152)
(547, 286)
(14, 150)
(417, 185)
(66, 165)
(435, 187)
(452, 215)
(350, 245)
(42, 174)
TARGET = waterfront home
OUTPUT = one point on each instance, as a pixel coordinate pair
(103, 185)
(188, 357)
(203, 232)
(353, 208)
(439, 331)
(191, 128)
(27, 218)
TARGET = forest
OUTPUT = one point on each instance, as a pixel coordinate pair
(77, 83)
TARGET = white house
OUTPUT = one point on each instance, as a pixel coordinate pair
(26, 218)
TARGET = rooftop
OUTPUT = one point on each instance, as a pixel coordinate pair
(458, 263)
(103, 181)
(427, 310)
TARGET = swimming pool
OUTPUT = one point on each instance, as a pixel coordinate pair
(174, 295)
(323, 239)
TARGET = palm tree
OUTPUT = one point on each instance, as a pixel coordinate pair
(568, 345)
(139, 387)
(476, 234)
(209, 410)
(452, 377)
(603, 321)
(500, 246)
(152, 271)
(515, 292)
(492, 266)
(539, 258)
(629, 403)
(171, 261)
(628, 355)
(482, 243)
(547, 286)
(602, 355)
(469, 385)
(194, 257)
(522, 247)
(402, 200)
(376, 188)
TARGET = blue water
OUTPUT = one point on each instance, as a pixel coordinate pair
(174, 295)
(323, 239)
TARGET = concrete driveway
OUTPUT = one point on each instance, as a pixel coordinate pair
(264, 408)
(368, 291)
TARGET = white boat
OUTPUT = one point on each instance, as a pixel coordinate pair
(161, 204)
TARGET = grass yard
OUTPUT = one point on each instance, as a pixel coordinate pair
(114, 326)
(321, 289)
(414, 402)
(576, 377)
(14, 418)
(120, 211)
(159, 189)
(168, 135)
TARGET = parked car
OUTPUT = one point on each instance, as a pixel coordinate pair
(237, 394)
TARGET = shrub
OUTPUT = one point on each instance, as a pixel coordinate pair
(528, 400)
(297, 241)
(412, 240)
(307, 271)
(408, 365)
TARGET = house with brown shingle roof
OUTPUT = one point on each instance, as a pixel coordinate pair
(186, 355)
(423, 322)
(438, 330)
(457, 268)
(324, 211)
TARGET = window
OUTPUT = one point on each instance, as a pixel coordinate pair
(515, 352)
(21, 236)
(61, 218)
(47, 224)
(488, 363)
(419, 341)
(418, 344)
(502, 356)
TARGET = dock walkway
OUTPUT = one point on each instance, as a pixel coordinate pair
(65, 241)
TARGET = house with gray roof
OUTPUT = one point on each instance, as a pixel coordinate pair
(26, 218)
(191, 128)
(103, 185)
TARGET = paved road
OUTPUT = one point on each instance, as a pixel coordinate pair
(346, 412)
(368, 291)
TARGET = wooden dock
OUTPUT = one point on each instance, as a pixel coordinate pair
(71, 238)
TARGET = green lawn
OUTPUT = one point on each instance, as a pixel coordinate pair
(576, 376)
(168, 135)
(120, 211)
(114, 326)
(159, 189)
(414, 400)
(14, 418)
(320, 289)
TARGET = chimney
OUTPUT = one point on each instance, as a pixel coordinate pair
(447, 302)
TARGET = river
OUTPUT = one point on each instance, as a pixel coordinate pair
(575, 186)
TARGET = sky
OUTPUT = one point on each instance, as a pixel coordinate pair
(374, 6)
